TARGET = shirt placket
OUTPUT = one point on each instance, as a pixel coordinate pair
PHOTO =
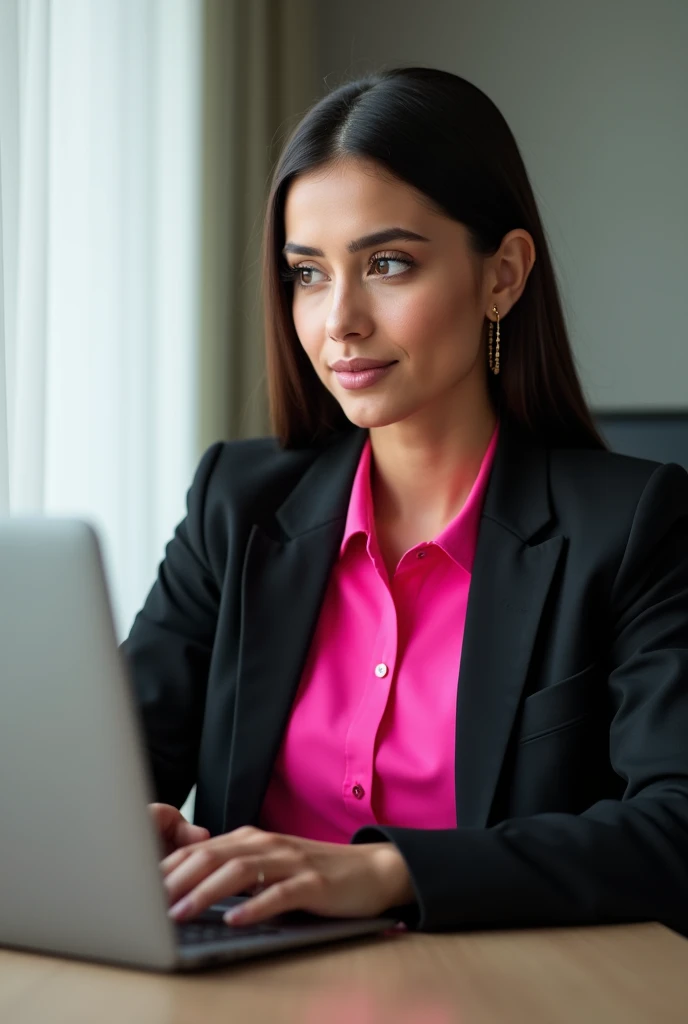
(380, 667)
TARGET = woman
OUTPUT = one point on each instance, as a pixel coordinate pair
(366, 734)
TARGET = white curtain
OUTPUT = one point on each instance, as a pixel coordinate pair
(100, 150)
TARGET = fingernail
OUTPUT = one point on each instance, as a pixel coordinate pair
(235, 916)
(180, 909)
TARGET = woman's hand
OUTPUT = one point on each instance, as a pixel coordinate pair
(331, 879)
(174, 830)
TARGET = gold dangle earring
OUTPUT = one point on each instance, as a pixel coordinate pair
(493, 360)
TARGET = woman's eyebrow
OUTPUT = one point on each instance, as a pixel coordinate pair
(377, 238)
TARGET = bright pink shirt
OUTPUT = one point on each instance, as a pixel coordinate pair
(372, 734)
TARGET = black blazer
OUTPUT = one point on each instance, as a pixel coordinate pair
(572, 715)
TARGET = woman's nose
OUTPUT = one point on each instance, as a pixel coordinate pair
(347, 316)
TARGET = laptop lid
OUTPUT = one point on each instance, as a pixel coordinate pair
(71, 746)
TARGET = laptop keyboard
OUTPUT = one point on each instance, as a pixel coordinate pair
(209, 927)
(190, 934)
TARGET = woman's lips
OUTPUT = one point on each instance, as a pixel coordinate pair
(362, 378)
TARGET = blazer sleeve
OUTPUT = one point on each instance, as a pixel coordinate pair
(620, 860)
(169, 647)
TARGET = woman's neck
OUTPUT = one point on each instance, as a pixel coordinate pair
(422, 476)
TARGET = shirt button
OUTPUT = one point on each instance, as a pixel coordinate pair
(358, 792)
(380, 670)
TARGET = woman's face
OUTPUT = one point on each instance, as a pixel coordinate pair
(418, 303)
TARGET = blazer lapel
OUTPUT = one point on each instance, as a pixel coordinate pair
(510, 582)
(285, 573)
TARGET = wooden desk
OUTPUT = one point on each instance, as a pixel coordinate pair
(613, 975)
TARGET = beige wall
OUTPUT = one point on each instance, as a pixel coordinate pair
(596, 93)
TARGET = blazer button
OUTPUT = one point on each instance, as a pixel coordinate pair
(381, 670)
(358, 792)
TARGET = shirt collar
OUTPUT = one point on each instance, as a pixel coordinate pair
(458, 538)
(359, 517)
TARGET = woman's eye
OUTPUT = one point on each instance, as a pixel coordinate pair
(299, 271)
(387, 261)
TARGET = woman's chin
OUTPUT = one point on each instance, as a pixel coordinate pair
(370, 419)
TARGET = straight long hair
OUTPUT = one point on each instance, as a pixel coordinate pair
(442, 135)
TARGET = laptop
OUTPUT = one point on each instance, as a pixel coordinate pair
(79, 854)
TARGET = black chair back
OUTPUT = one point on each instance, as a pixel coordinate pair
(662, 436)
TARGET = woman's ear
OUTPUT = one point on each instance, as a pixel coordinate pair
(511, 266)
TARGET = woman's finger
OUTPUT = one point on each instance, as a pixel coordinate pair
(185, 834)
(176, 857)
(291, 893)
(240, 841)
(201, 862)
(164, 818)
(232, 878)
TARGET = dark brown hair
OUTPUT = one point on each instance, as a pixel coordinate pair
(442, 135)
